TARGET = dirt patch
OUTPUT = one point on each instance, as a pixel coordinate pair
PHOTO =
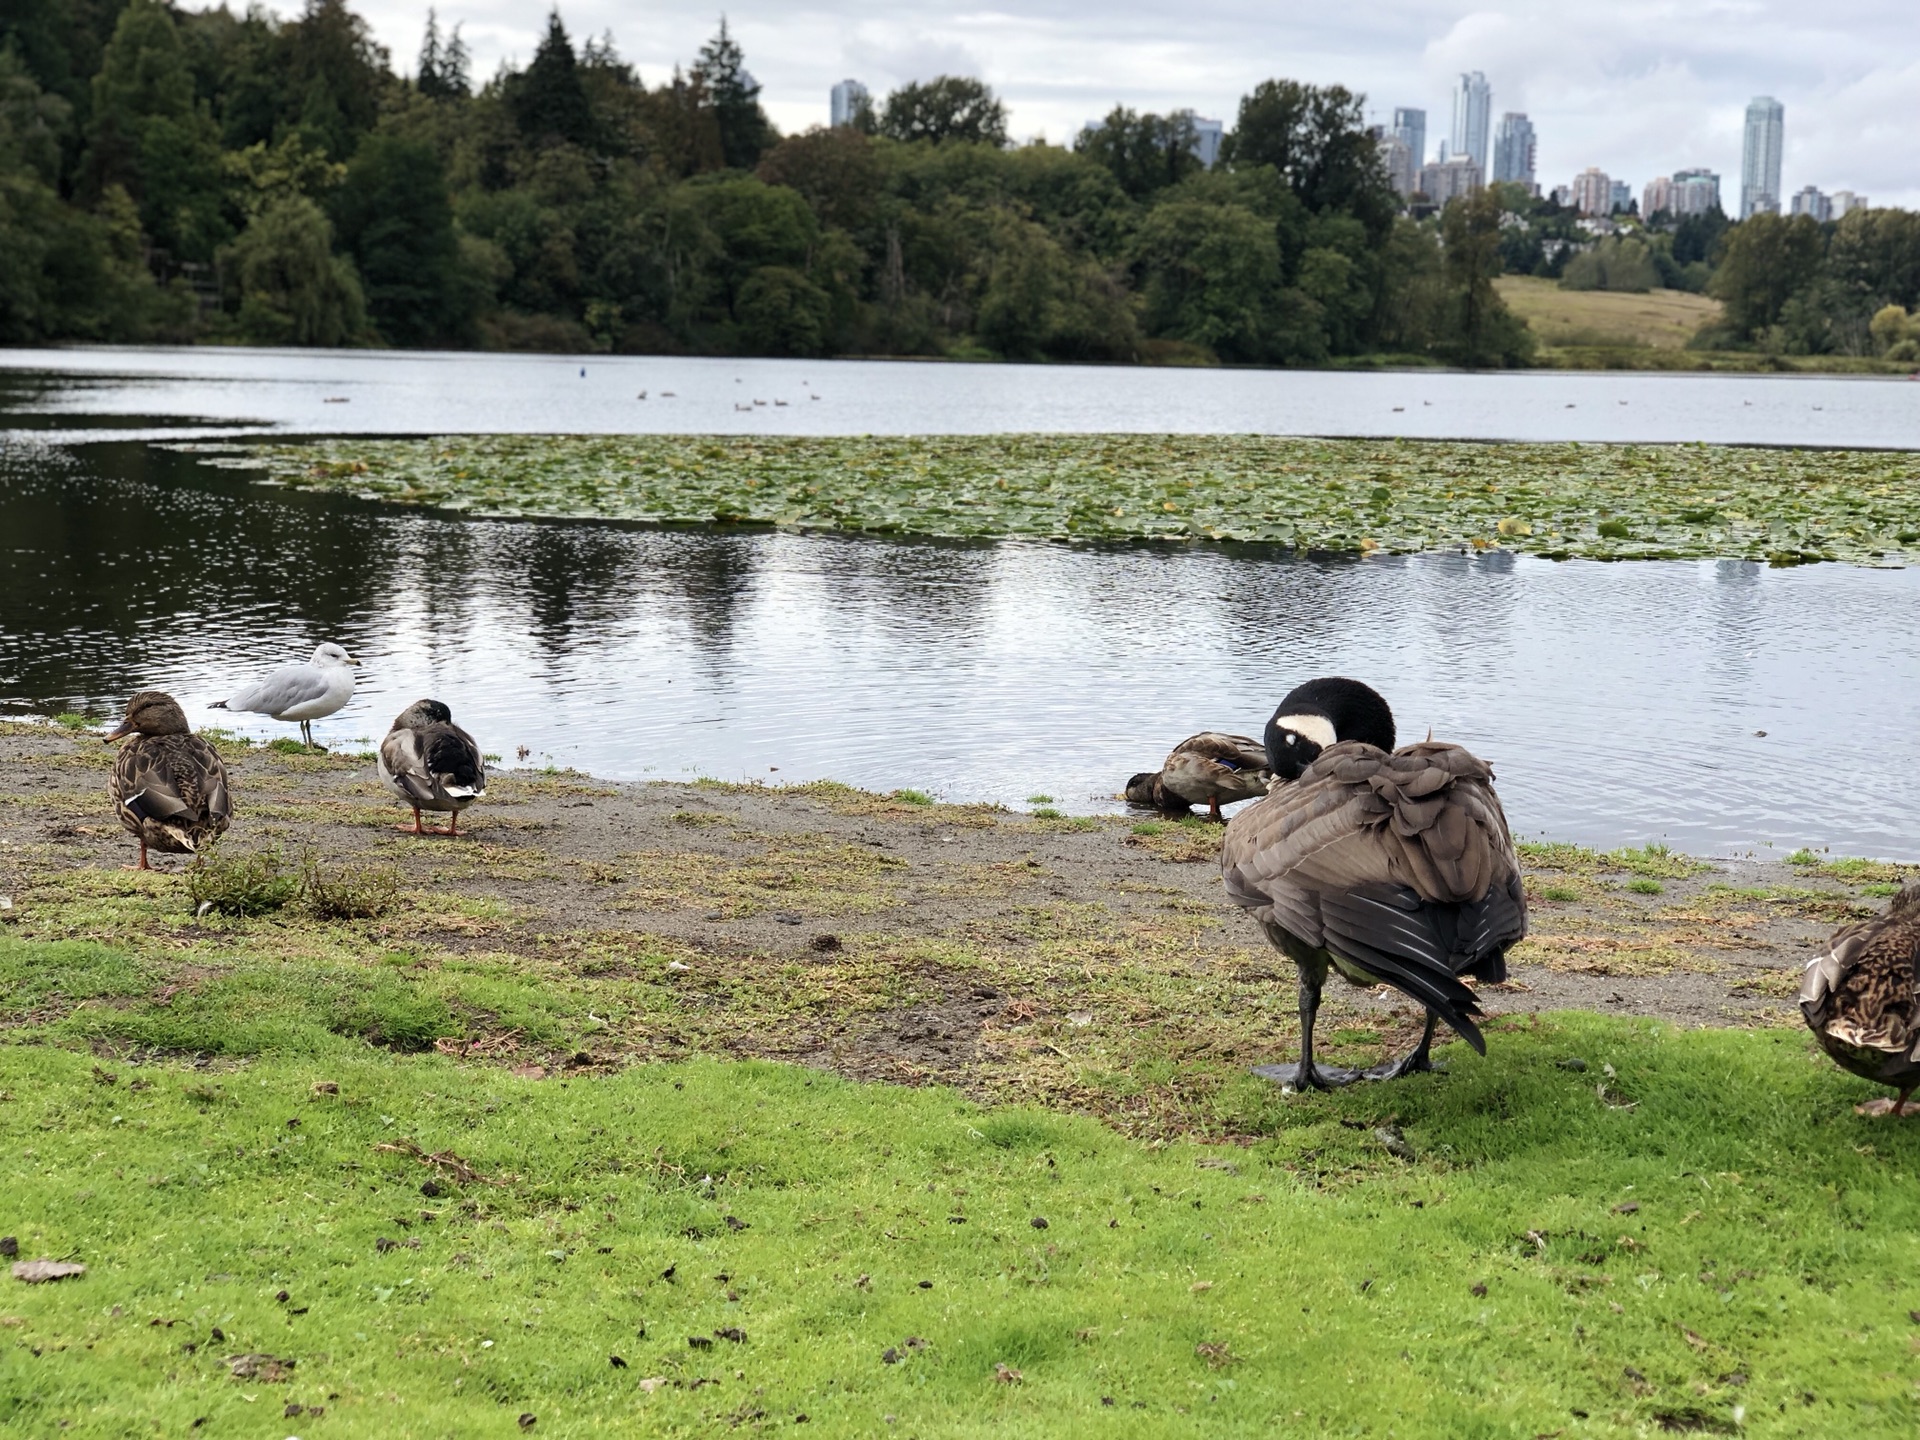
(1090, 963)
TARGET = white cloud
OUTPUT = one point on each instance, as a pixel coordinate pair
(1637, 87)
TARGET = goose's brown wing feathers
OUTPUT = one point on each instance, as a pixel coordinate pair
(1400, 863)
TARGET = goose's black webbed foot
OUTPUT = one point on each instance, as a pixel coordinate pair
(1307, 1077)
(1417, 1063)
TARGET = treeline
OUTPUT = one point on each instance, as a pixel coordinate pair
(200, 175)
(1787, 285)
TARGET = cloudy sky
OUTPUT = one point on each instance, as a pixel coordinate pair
(1637, 87)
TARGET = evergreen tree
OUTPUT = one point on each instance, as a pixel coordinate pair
(335, 73)
(151, 135)
(548, 102)
(396, 220)
(745, 131)
(444, 65)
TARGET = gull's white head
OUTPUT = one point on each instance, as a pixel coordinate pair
(331, 654)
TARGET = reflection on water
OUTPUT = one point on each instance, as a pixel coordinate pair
(1619, 703)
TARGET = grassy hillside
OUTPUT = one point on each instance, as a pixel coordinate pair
(1659, 319)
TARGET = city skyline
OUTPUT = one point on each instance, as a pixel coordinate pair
(1639, 88)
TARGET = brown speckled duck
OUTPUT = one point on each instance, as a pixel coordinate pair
(169, 788)
(1210, 769)
(1862, 999)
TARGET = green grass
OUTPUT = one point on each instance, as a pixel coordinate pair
(1039, 799)
(914, 797)
(1651, 862)
(1704, 1237)
(1353, 496)
(1045, 812)
(1645, 887)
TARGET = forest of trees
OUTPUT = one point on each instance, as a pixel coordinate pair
(197, 175)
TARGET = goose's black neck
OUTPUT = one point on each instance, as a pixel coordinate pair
(1322, 713)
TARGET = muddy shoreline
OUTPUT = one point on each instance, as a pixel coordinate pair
(1089, 963)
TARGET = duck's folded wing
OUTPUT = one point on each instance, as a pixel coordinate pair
(454, 759)
(1233, 752)
(403, 755)
(150, 793)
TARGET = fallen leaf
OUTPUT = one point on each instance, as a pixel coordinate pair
(1200, 1287)
(530, 1072)
(653, 1383)
(1694, 1340)
(326, 1087)
(1626, 1207)
(269, 1368)
(1007, 1375)
(35, 1272)
(1216, 1353)
(1479, 1290)
(528, 1419)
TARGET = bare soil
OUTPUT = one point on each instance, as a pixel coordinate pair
(1089, 963)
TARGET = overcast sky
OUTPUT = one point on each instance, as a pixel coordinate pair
(1637, 87)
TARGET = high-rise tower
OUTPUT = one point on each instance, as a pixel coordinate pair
(1411, 128)
(1513, 150)
(1472, 114)
(1760, 159)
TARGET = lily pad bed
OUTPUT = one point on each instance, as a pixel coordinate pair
(1560, 501)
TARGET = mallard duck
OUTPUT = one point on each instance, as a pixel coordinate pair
(1209, 768)
(1862, 998)
(1389, 866)
(432, 764)
(305, 693)
(169, 788)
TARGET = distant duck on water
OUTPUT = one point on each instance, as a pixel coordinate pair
(1211, 769)
(1862, 999)
(168, 787)
(432, 764)
(1388, 866)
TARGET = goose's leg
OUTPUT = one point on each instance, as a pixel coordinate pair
(414, 829)
(1213, 808)
(453, 823)
(1409, 1064)
(1307, 1075)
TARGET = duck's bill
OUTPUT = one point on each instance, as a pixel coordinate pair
(126, 729)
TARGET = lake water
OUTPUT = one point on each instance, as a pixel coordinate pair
(107, 391)
(1619, 703)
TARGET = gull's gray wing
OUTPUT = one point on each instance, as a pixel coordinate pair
(286, 687)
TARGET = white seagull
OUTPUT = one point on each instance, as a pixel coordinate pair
(300, 692)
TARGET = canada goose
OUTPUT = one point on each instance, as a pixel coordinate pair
(305, 693)
(432, 764)
(1209, 768)
(1862, 998)
(1390, 866)
(168, 787)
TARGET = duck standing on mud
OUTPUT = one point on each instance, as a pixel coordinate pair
(1211, 769)
(1862, 999)
(432, 764)
(168, 787)
(1390, 866)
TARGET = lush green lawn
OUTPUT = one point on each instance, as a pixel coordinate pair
(1611, 502)
(1707, 1238)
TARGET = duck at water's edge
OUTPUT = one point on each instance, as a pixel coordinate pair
(432, 764)
(168, 787)
(1391, 867)
(1210, 769)
(1862, 998)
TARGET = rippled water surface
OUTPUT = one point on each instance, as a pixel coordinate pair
(410, 393)
(1619, 703)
